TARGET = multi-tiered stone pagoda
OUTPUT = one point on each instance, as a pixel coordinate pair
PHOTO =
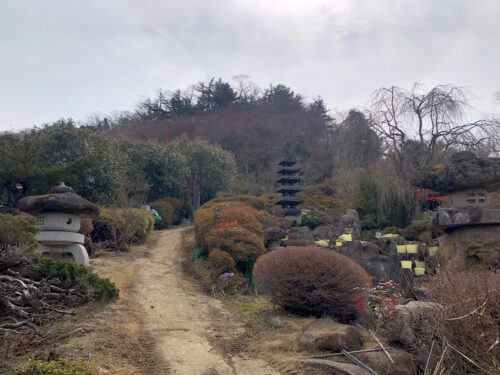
(288, 182)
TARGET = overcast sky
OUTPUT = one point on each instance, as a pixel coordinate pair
(62, 58)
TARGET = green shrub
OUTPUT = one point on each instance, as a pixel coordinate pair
(311, 281)
(117, 228)
(108, 227)
(178, 207)
(139, 223)
(312, 218)
(71, 274)
(220, 262)
(60, 366)
(166, 211)
(15, 231)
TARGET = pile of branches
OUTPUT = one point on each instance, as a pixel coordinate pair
(25, 303)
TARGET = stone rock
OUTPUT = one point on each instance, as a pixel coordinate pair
(230, 281)
(417, 309)
(366, 318)
(274, 233)
(467, 247)
(306, 234)
(378, 362)
(461, 172)
(382, 263)
(326, 334)
(465, 216)
(352, 223)
(59, 199)
(333, 367)
(323, 232)
(282, 321)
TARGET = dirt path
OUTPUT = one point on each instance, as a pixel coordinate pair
(180, 329)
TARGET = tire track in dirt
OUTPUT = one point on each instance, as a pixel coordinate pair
(190, 331)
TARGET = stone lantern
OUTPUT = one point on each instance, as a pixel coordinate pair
(472, 229)
(58, 215)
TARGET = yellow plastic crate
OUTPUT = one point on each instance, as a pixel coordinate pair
(419, 264)
(412, 249)
(401, 249)
(345, 237)
(406, 264)
(338, 243)
(419, 271)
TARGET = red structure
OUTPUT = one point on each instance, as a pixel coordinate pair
(430, 199)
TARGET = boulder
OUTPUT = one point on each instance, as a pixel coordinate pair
(378, 362)
(332, 367)
(323, 232)
(326, 334)
(381, 262)
(306, 234)
(230, 281)
(274, 234)
(282, 321)
(467, 247)
(352, 223)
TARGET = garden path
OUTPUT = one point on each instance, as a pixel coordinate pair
(192, 332)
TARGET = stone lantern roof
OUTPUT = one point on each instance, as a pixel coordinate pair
(462, 171)
(60, 198)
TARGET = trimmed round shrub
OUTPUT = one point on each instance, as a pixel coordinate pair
(241, 244)
(266, 220)
(311, 281)
(249, 200)
(15, 231)
(205, 219)
(220, 262)
(166, 211)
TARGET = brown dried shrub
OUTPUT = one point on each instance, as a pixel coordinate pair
(311, 281)
(86, 226)
(240, 243)
(469, 320)
(220, 262)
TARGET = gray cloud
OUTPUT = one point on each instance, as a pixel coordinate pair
(60, 58)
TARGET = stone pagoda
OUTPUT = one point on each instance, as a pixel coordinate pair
(472, 227)
(58, 215)
(288, 186)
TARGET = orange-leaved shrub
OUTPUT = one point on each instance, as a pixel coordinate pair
(221, 213)
(220, 262)
(311, 281)
(249, 200)
(241, 244)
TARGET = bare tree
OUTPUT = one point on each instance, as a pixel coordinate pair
(434, 120)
